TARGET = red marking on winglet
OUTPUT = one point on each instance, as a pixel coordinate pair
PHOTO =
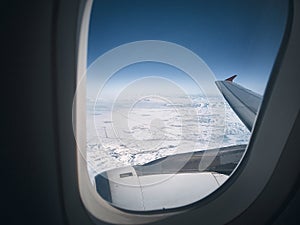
(231, 78)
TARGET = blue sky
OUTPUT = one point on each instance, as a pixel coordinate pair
(232, 37)
(160, 73)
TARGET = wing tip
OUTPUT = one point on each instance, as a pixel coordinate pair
(231, 78)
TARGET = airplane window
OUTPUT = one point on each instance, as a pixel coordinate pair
(172, 92)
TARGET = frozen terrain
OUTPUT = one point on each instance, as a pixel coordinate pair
(120, 134)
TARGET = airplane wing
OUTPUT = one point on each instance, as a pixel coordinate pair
(244, 102)
(150, 186)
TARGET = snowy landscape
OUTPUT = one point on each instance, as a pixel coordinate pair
(121, 134)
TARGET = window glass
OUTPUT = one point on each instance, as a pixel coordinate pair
(161, 132)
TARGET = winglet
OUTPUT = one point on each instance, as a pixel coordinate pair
(231, 78)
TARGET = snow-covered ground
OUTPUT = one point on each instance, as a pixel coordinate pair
(123, 134)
